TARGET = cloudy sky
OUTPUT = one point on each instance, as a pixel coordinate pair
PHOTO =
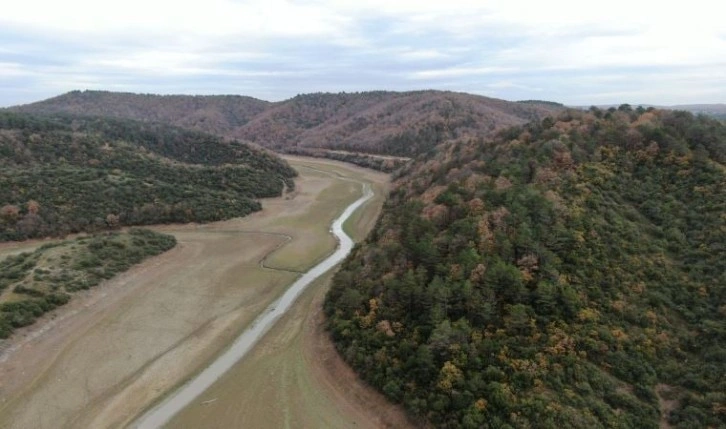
(575, 52)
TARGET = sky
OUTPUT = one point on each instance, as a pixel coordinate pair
(573, 52)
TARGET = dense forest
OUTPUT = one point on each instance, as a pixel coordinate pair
(34, 283)
(379, 122)
(67, 174)
(566, 273)
(215, 114)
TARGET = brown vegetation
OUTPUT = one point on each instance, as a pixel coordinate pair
(397, 123)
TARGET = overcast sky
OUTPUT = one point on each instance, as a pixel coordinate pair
(574, 52)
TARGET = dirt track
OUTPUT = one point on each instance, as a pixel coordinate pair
(110, 353)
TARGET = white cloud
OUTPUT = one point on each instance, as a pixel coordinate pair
(11, 69)
(422, 54)
(284, 47)
(260, 18)
(459, 72)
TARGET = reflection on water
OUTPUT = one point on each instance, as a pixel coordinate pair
(161, 414)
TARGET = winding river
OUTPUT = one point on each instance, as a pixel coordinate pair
(183, 396)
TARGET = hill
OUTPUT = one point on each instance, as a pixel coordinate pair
(403, 124)
(216, 114)
(566, 273)
(393, 123)
(69, 174)
(717, 111)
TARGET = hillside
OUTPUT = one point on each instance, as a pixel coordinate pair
(393, 123)
(403, 124)
(68, 174)
(216, 114)
(567, 273)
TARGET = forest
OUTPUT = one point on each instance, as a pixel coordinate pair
(66, 174)
(570, 272)
(378, 122)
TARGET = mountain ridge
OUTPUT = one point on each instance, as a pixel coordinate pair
(379, 122)
(68, 174)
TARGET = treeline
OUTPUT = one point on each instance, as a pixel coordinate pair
(34, 283)
(567, 273)
(382, 122)
(216, 114)
(384, 164)
(67, 174)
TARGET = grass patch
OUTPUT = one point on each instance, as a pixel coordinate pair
(33, 283)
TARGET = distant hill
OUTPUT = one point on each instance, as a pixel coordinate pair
(68, 174)
(715, 110)
(569, 273)
(393, 123)
(217, 114)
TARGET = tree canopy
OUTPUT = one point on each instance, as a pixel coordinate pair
(566, 273)
(66, 174)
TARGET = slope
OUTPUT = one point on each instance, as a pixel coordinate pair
(217, 114)
(568, 273)
(404, 124)
(69, 174)
(394, 123)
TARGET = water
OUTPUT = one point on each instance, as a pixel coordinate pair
(159, 415)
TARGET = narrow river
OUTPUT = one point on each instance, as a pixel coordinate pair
(162, 413)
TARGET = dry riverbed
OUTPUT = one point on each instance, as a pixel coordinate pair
(115, 350)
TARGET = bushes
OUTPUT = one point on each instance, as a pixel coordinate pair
(74, 265)
(23, 313)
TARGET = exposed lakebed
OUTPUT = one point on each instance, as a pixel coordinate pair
(159, 415)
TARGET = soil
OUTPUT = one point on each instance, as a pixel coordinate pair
(113, 351)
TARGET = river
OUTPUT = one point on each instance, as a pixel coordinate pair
(184, 395)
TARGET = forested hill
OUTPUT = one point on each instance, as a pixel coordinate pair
(567, 273)
(68, 174)
(393, 123)
(380, 122)
(216, 114)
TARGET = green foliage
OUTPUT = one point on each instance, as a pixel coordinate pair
(32, 284)
(65, 174)
(553, 276)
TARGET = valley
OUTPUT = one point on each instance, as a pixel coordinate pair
(334, 214)
(114, 351)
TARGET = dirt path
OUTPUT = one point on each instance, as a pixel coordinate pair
(666, 403)
(108, 354)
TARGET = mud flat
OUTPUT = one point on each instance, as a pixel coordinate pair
(109, 354)
(294, 378)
